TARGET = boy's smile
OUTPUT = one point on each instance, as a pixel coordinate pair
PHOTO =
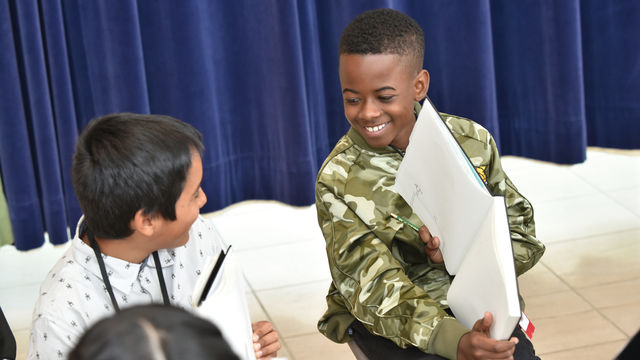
(379, 92)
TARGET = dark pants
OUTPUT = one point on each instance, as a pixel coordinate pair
(376, 347)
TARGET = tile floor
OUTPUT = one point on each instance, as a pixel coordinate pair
(583, 297)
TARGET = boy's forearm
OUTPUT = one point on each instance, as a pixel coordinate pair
(446, 337)
(373, 285)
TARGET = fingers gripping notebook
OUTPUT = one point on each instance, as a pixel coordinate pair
(438, 181)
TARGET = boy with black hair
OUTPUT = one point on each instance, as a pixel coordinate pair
(388, 294)
(141, 239)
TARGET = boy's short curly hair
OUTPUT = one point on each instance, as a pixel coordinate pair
(384, 31)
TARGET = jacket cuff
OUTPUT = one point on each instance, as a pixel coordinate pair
(446, 336)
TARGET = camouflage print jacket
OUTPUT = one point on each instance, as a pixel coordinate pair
(381, 274)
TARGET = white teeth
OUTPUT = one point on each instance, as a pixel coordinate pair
(375, 128)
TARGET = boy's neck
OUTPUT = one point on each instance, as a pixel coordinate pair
(128, 249)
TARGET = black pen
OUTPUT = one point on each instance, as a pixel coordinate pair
(212, 276)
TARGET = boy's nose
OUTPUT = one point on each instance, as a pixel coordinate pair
(370, 110)
(203, 198)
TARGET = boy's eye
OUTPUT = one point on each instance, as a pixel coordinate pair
(352, 100)
(386, 97)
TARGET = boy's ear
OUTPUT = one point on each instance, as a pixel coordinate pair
(143, 223)
(421, 85)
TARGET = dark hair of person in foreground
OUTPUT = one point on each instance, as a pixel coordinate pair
(152, 332)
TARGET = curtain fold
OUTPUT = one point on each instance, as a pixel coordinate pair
(6, 234)
(260, 80)
(16, 135)
(538, 60)
(611, 61)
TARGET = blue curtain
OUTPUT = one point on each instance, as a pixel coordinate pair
(259, 79)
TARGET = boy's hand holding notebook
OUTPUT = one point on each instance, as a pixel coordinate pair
(441, 185)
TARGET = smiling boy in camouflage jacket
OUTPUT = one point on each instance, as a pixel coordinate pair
(388, 295)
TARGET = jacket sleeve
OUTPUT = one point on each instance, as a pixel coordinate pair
(527, 249)
(372, 284)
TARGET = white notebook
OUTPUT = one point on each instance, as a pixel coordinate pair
(438, 181)
(225, 304)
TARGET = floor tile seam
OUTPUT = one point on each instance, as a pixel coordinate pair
(631, 302)
(578, 196)
(548, 294)
(555, 317)
(304, 334)
(269, 318)
(594, 308)
(562, 198)
(591, 287)
(22, 285)
(261, 247)
(599, 188)
(262, 307)
(327, 281)
(625, 188)
(621, 203)
(609, 307)
(622, 280)
(541, 263)
(593, 235)
(580, 347)
(300, 333)
(286, 347)
(621, 330)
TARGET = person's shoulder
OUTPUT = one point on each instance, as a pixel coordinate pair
(206, 226)
(61, 274)
(467, 129)
(203, 239)
(339, 161)
(343, 147)
(202, 223)
(62, 290)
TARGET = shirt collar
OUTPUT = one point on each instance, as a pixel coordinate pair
(122, 274)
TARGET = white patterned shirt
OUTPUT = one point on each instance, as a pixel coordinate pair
(73, 296)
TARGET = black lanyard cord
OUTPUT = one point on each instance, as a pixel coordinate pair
(103, 270)
(105, 276)
(163, 286)
(398, 151)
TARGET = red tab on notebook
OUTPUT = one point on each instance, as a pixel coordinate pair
(527, 326)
